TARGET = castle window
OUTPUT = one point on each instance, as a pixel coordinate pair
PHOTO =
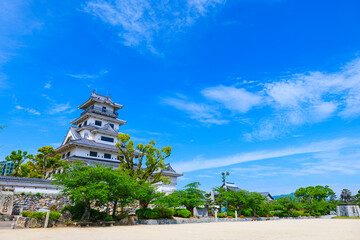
(97, 123)
(107, 155)
(68, 154)
(85, 123)
(63, 156)
(93, 154)
(111, 125)
(107, 139)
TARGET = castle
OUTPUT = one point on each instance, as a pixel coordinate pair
(93, 135)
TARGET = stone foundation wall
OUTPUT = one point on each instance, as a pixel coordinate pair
(199, 220)
(34, 202)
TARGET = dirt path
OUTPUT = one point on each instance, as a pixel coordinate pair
(314, 229)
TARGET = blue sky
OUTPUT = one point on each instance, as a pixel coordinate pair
(266, 89)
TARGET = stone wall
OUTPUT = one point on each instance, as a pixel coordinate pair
(34, 202)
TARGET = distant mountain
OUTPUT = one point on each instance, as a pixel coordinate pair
(282, 195)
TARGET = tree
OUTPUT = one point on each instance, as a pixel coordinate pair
(28, 170)
(17, 158)
(121, 188)
(238, 199)
(191, 196)
(311, 195)
(288, 203)
(255, 201)
(150, 160)
(146, 194)
(47, 160)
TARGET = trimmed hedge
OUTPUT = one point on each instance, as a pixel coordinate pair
(184, 213)
(221, 215)
(155, 213)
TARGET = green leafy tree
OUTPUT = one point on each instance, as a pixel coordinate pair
(17, 158)
(255, 201)
(191, 196)
(85, 184)
(150, 160)
(311, 196)
(288, 203)
(120, 188)
(28, 170)
(146, 194)
(239, 200)
(47, 160)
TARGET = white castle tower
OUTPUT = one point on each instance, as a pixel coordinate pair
(92, 137)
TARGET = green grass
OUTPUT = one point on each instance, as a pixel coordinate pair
(345, 217)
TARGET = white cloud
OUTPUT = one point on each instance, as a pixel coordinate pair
(141, 22)
(29, 110)
(303, 98)
(60, 108)
(315, 147)
(234, 99)
(47, 85)
(201, 112)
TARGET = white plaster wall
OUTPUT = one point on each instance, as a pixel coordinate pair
(85, 152)
(108, 107)
(91, 120)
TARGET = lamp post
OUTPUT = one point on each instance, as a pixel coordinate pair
(223, 179)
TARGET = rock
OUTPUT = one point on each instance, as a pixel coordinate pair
(33, 223)
(66, 216)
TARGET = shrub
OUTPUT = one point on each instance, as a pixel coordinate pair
(221, 215)
(256, 216)
(109, 219)
(37, 215)
(26, 213)
(242, 216)
(76, 211)
(54, 216)
(184, 213)
(97, 215)
(294, 213)
(122, 216)
(247, 212)
(169, 213)
(231, 214)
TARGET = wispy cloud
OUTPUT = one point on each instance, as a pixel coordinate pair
(88, 76)
(142, 22)
(201, 112)
(302, 98)
(234, 99)
(61, 108)
(315, 147)
(47, 85)
(29, 110)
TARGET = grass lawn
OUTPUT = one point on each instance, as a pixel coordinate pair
(345, 217)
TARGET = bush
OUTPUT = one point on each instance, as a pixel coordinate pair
(76, 211)
(122, 216)
(54, 216)
(221, 215)
(109, 219)
(247, 212)
(231, 214)
(184, 213)
(37, 215)
(294, 213)
(26, 213)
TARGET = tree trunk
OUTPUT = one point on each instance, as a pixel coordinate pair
(86, 215)
(114, 209)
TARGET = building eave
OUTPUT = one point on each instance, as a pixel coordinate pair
(98, 116)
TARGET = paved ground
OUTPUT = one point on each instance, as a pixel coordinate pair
(314, 229)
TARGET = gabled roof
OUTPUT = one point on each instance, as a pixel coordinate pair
(107, 129)
(95, 97)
